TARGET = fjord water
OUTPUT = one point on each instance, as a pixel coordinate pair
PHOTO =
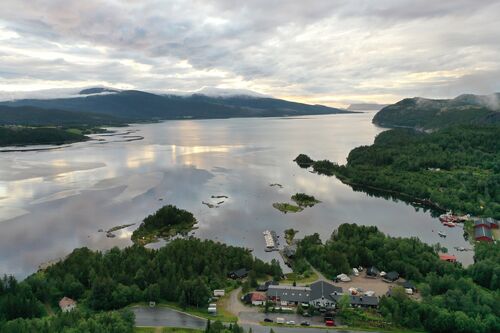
(53, 201)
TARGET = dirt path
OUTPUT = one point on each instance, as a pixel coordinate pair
(244, 313)
(321, 277)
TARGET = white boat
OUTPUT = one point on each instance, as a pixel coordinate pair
(442, 234)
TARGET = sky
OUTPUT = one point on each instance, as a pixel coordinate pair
(332, 52)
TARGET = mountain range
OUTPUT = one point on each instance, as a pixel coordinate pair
(133, 105)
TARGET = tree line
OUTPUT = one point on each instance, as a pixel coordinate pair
(456, 168)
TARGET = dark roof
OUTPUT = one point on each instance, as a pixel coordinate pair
(359, 300)
(408, 285)
(242, 272)
(392, 276)
(289, 293)
(482, 231)
(263, 287)
(372, 271)
(321, 289)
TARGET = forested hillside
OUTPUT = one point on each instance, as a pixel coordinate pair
(33, 116)
(133, 105)
(431, 114)
(19, 136)
(184, 271)
(456, 168)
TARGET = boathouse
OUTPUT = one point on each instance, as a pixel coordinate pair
(482, 233)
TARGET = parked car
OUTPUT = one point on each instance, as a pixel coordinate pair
(268, 320)
(329, 322)
(290, 322)
(305, 323)
(280, 320)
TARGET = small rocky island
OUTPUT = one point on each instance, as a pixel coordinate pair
(302, 201)
(166, 222)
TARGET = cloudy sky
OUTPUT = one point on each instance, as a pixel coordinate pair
(319, 51)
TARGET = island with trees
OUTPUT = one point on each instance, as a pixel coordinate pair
(301, 200)
(166, 222)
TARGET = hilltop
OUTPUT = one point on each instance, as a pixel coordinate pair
(427, 113)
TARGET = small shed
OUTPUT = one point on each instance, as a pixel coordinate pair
(67, 304)
(238, 274)
(219, 292)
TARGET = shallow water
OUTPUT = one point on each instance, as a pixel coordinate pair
(53, 201)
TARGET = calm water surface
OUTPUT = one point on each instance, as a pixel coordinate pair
(56, 200)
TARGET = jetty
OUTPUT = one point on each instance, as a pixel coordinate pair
(271, 240)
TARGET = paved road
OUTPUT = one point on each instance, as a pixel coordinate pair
(165, 317)
(298, 329)
(154, 317)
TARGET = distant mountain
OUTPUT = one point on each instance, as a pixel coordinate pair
(366, 107)
(33, 116)
(133, 105)
(426, 113)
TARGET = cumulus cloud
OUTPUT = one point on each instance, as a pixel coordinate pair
(328, 51)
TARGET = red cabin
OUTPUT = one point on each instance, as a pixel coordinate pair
(448, 257)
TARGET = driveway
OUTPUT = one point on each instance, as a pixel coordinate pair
(160, 316)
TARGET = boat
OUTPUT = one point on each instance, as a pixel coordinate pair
(441, 234)
(449, 224)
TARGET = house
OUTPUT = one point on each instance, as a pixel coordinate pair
(255, 299)
(447, 257)
(288, 295)
(67, 304)
(219, 292)
(391, 276)
(482, 233)
(238, 274)
(359, 301)
(321, 294)
(372, 272)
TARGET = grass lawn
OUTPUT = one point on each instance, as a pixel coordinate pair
(299, 279)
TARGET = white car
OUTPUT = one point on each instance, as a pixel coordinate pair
(290, 322)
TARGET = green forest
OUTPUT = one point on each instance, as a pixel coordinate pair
(456, 168)
(185, 271)
(454, 299)
(427, 113)
(166, 222)
(19, 136)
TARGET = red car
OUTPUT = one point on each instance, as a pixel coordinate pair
(329, 322)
